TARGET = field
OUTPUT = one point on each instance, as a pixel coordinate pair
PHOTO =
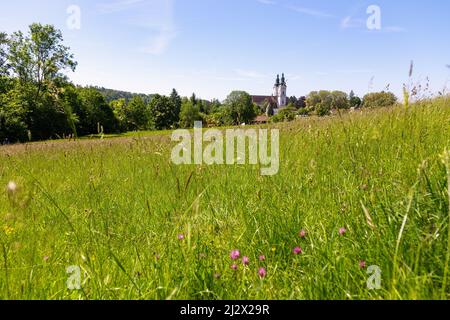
(368, 189)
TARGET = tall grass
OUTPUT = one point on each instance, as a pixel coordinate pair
(115, 207)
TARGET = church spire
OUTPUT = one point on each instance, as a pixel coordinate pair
(277, 82)
(283, 80)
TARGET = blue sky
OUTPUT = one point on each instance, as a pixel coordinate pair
(212, 47)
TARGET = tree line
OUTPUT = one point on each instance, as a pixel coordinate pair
(324, 103)
(38, 102)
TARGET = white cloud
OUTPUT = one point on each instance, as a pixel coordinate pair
(158, 44)
(310, 12)
(352, 23)
(155, 18)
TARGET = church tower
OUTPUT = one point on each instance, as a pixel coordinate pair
(282, 92)
(276, 87)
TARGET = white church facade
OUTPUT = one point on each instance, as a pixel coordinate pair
(278, 99)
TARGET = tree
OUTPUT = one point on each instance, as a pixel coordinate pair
(189, 114)
(120, 111)
(37, 60)
(340, 100)
(301, 102)
(175, 99)
(269, 110)
(161, 112)
(293, 100)
(239, 106)
(287, 114)
(320, 102)
(379, 100)
(354, 101)
(95, 114)
(40, 57)
(137, 115)
(215, 106)
(3, 54)
(13, 127)
(194, 99)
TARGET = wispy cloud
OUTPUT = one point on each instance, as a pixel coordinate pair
(352, 23)
(154, 18)
(310, 12)
(158, 44)
(267, 2)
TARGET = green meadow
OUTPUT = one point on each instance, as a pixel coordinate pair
(367, 188)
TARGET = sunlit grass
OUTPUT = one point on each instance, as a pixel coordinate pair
(116, 208)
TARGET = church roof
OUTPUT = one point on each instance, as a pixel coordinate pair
(260, 99)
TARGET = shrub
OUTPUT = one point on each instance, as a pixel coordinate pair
(379, 100)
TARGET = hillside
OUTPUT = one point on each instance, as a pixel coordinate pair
(111, 95)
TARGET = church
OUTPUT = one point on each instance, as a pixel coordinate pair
(279, 97)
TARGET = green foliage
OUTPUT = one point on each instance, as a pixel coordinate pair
(95, 114)
(138, 116)
(269, 109)
(354, 101)
(162, 112)
(39, 57)
(239, 108)
(113, 95)
(13, 126)
(379, 100)
(3, 56)
(286, 114)
(175, 100)
(340, 100)
(322, 102)
(189, 114)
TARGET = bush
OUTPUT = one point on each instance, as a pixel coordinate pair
(379, 100)
(286, 114)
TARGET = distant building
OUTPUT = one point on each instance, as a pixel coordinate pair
(278, 99)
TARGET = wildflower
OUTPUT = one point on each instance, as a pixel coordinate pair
(8, 230)
(362, 264)
(302, 234)
(181, 237)
(342, 231)
(297, 250)
(234, 267)
(235, 254)
(11, 187)
(262, 258)
(262, 273)
(245, 261)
